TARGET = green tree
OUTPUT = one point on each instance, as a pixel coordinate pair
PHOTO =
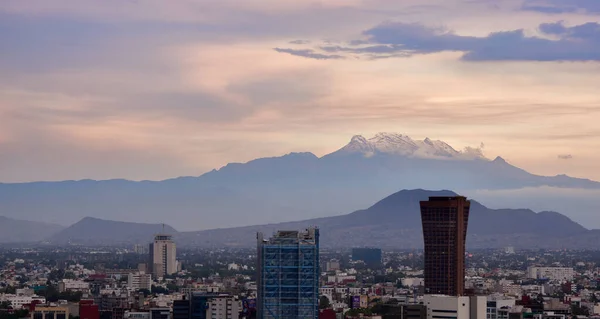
(324, 302)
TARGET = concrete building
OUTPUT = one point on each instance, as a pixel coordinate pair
(224, 307)
(18, 301)
(139, 281)
(493, 306)
(136, 315)
(445, 221)
(455, 307)
(551, 273)
(50, 313)
(288, 275)
(73, 285)
(162, 256)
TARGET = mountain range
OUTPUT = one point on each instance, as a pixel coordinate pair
(393, 222)
(281, 189)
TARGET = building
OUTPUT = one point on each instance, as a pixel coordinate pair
(372, 257)
(332, 265)
(73, 285)
(136, 315)
(224, 307)
(88, 310)
(288, 275)
(139, 281)
(493, 306)
(50, 313)
(19, 301)
(414, 312)
(160, 313)
(551, 273)
(456, 307)
(181, 309)
(445, 221)
(162, 256)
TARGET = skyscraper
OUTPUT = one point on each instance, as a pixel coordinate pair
(445, 221)
(288, 275)
(162, 256)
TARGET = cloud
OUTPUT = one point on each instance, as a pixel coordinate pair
(576, 43)
(562, 6)
(565, 156)
(307, 53)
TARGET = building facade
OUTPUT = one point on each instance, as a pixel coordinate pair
(551, 273)
(50, 313)
(455, 307)
(445, 221)
(163, 259)
(139, 281)
(288, 275)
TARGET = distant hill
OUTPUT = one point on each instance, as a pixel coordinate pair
(286, 188)
(395, 222)
(94, 231)
(19, 231)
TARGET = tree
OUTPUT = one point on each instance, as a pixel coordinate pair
(324, 302)
(5, 305)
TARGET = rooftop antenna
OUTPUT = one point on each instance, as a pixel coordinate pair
(163, 231)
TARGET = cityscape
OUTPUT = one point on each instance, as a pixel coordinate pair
(299, 159)
(288, 275)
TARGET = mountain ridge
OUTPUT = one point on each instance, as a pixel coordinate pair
(21, 231)
(392, 222)
(275, 189)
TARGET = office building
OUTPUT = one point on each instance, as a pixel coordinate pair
(288, 275)
(370, 256)
(162, 256)
(445, 221)
(50, 313)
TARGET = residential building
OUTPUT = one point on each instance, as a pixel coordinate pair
(288, 275)
(224, 307)
(139, 281)
(445, 221)
(162, 256)
(73, 285)
(551, 273)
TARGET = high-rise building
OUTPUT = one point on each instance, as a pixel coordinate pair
(445, 221)
(162, 256)
(288, 275)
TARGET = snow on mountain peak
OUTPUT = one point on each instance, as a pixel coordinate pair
(403, 145)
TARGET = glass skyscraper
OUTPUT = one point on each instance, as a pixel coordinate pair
(288, 275)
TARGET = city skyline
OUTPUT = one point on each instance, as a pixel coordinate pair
(149, 90)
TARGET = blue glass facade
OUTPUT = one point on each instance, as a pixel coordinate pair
(288, 275)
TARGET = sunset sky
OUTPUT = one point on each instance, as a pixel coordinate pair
(153, 89)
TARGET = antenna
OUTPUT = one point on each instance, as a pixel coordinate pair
(163, 231)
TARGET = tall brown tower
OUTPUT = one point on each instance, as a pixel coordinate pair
(445, 221)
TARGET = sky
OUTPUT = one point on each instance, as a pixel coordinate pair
(156, 89)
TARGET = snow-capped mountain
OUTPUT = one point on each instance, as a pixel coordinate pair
(403, 145)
